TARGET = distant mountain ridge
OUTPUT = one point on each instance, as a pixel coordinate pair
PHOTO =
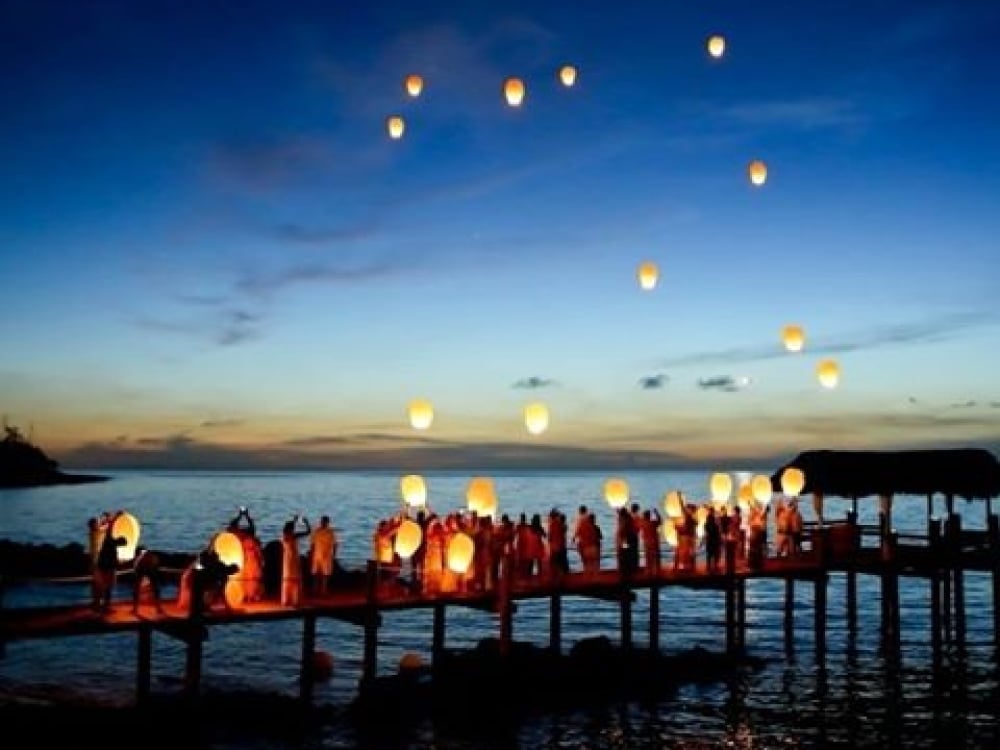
(24, 464)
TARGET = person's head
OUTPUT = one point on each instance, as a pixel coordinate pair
(324, 521)
(635, 508)
(92, 522)
(289, 527)
(583, 510)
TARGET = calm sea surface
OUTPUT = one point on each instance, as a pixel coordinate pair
(857, 699)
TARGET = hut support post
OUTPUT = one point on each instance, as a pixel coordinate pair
(934, 542)
(851, 574)
(654, 618)
(789, 622)
(143, 672)
(308, 652)
(555, 624)
(438, 634)
(994, 527)
(369, 664)
(959, 578)
(819, 616)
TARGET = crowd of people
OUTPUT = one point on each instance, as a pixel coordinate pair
(536, 548)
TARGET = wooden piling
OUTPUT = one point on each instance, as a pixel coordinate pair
(306, 675)
(730, 597)
(625, 604)
(994, 532)
(369, 662)
(959, 579)
(555, 624)
(143, 667)
(851, 575)
(934, 581)
(194, 636)
(654, 618)
(789, 620)
(438, 634)
(505, 604)
(741, 614)
(819, 616)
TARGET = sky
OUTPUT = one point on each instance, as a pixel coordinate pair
(214, 256)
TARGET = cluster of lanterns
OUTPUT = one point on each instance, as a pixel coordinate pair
(827, 371)
(421, 415)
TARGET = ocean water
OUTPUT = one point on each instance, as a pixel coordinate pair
(856, 698)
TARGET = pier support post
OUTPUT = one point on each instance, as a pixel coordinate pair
(789, 620)
(994, 530)
(935, 585)
(654, 618)
(852, 575)
(506, 604)
(958, 573)
(308, 651)
(819, 616)
(555, 624)
(741, 614)
(730, 593)
(625, 603)
(192, 667)
(890, 597)
(369, 663)
(195, 636)
(437, 637)
(143, 671)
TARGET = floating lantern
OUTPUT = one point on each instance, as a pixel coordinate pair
(536, 418)
(513, 90)
(126, 526)
(760, 485)
(828, 373)
(395, 126)
(567, 74)
(616, 493)
(648, 275)
(673, 505)
(758, 172)
(792, 481)
(481, 496)
(414, 490)
(721, 487)
(670, 532)
(460, 552)
(793, 337)
(414, 85)
(744, 497)
(421, 414)
(229, 548)
(234, 592)
(716, 45)
(408, 538)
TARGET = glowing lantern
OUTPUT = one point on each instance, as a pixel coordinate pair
(414, 490)
(758, 172)
(616, 493)
(460, 552)
(744, 498)
(673, 506)
(793, 337)
(828, 373)
(536, 418)
(234, 593)
(481, 496)
(721, 487)
(408, 538)
(792, 481)
(670, 532)
(421, 414)
(414, 85)
(126, 525)
(648, 275)
(395, 126)
(229, 548)
(567, 74)
(761, 488)
(513, 89)
(716, 45)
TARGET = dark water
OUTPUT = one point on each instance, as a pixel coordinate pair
(859, 697)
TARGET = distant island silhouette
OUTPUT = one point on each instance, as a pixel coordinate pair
(24, 464)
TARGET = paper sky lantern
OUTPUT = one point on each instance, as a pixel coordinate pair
(721, 487)
(793, 337)
(828, 373)
(758, 172)
(421, 414)
(460, 552)
(414, 490)
(567, 74)
(536, 418)
(414, 85)
(616, 493)
(513, 90)
(760, 485)
(670, 532)
(234, 593)
(395, 126)
(744, 497)
(481, 496)
(792, 481)
(673, 504)
(229, 548)
(408, 538)
(700, 516)
(648, 275)
(126, 525)
(716, 45)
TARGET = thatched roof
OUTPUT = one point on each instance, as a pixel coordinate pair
(971, 473)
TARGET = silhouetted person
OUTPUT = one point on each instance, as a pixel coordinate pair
(147, 567)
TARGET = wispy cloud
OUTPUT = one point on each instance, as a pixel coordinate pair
(269, 163)
(534, 382)
(928, 331)
(808, 113)
(653, 382)
(262, 283)
(963, 405)
(309, 235)
(725, 383)
(217, 423)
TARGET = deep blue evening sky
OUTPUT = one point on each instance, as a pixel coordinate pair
(213, 255)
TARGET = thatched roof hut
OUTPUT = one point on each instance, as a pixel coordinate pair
(968, 473)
